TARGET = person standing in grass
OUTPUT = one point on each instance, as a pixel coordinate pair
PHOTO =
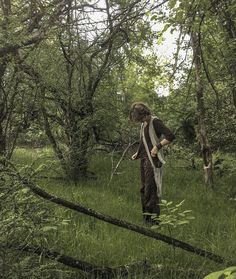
(153, 136)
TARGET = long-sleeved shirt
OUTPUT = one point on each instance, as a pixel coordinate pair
(161, 130)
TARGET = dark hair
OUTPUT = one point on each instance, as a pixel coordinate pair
(138, 111)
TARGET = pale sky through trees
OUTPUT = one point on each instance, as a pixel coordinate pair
(165, 50)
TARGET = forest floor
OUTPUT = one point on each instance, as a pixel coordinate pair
(91, 240)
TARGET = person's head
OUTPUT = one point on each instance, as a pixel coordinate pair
(139, 112)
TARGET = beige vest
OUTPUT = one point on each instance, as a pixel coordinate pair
(154, 140)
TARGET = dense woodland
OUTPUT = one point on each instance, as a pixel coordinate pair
(69, 71)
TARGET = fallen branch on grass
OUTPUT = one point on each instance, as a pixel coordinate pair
(121, 223)
(97, 271)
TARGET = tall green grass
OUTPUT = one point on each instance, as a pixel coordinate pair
(88, 239)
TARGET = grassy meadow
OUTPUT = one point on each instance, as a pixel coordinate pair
(91, 240)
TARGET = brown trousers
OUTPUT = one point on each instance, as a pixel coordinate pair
(149, 198)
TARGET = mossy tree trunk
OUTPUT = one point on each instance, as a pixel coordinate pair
(202, 133)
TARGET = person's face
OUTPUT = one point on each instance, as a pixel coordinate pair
(145, 118)
(140, 120)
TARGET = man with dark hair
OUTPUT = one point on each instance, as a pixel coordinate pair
(153, 136)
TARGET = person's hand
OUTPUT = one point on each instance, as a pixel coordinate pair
(154, 151)
(134, 156)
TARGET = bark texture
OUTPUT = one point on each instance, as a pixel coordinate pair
(202, 133)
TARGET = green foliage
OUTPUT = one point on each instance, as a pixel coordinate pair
(224, 164)
(25, 221)
(172, 215)
(34, 136)
(228, 273)
(85, 81)
(214, 22)
(221, 125)
(100, 243)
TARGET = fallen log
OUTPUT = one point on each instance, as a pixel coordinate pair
(94, 270)
(124, 224)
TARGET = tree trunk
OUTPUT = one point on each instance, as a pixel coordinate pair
(226, 14)
(202, 134)
(2, 142)
(77, 160)
(78, 149)
(229, 16)
(3, 64)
